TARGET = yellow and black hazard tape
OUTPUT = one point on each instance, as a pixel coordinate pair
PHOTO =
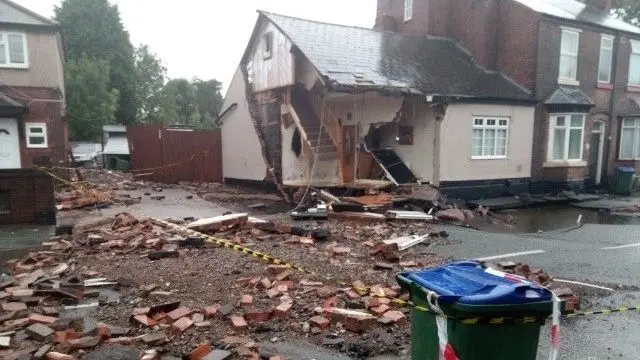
(604, 311)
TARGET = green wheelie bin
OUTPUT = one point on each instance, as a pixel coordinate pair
(481, 313)
(624, 180)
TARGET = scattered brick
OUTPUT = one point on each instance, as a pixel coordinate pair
(145, 320)
(179, 313)
(277, 269)
(217, 355)
(103, 330)
(352, 294)
(396, 317)
(239, 322)
(352, 320)
(39, 332)
(14, 306)
(371, 302)
(181, 325)
(271, 293)
(265, 282)
(381, 309)
(62, 336)
(154, 339)
(197, 317)
(284, 275)
(310, 283)
(210, 311)
(246, 300)
(326, 291)
(257, 316)
(283, 309)
(85, 342)
(42, 352)
(59, 356)
(340, 250)
(320, 322)
(41, 319)
(141, 311)
(201, 351)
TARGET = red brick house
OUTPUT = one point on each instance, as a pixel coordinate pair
(33, 130)
(581, 63)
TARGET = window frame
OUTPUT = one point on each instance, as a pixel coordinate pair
(267, 45)
(567, 137)
(635, 51)
(574, 79)
(604, 38)
(636, 139)
(484, 127)
(28, 134)
(4, 39)
(408, 10)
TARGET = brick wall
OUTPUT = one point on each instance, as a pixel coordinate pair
(30, 196)
(44, 106)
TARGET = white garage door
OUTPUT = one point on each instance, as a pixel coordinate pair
(9, 144)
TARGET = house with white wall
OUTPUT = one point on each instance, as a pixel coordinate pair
(332, 105)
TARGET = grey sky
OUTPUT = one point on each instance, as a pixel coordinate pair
(206, 38)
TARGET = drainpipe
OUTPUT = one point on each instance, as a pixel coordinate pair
(612, 102)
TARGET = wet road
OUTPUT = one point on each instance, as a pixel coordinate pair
(594, 253)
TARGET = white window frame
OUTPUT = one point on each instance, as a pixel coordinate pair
(4, 40)
(567, 136)
(408, 10)
(28, 135)
(603, 48)
(573, 79)
(636, 139)
(484, 127)
(635, 51)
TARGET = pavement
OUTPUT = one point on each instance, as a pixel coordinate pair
(608, 204)
(597, 254)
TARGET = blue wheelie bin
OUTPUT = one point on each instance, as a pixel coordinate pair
(477, 305)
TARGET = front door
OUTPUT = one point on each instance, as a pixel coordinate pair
(348, 152)
(597, 149)
(9, 144)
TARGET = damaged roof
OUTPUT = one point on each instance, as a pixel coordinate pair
(352, 57)
(577, 11)
(569, 96)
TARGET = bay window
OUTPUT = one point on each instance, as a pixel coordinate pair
(490, 138)
(566, 135)
(630, 139)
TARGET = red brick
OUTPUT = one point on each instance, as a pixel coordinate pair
(277, 269)
(179, 313)
(41, 319)
(141, 311)
(200, 352)
(14, 306)
(62, 336)
(352, 294)
(257, 316)
(210, 311)
(103, 331)
(159, 317)
(84, 342)
(239, 322)
(275, 358)
(273, 293)
(145, 320)
(283, 309)
(283, 275)
(59, 356)
(371, 302)
(396, 316)
(320, 322)
(246, 300)
(379, 310)
(181, 325)
(355, 321)
(265, 282)
(330, 302)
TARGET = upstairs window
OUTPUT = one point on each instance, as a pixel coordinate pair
(13, 50)
(490, 138)
(36, 135)
(634, 64)
(606, 56)
(267, 40)
(408, 10)
(569, 55)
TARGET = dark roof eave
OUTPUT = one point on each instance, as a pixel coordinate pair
(444, 98)
(581, 22)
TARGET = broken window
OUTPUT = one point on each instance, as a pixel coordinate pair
(405, 135)
(267, 40)
(5, 202)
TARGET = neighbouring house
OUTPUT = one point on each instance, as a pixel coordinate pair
(581, 63)
(341, 106)
(33, 130)
(115, 147)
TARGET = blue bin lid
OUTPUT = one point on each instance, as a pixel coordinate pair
(626, 169)
(468, 282)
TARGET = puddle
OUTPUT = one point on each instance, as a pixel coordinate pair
(549, 218)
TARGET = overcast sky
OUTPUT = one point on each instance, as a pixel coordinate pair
(206, 38)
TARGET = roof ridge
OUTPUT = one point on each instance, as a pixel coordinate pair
(266, 13)
(30, 12)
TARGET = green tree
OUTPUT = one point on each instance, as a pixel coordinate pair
(209, 99)
(94, 28)
(151, 77)
(179, 105)
(629, 10)
(90, 101)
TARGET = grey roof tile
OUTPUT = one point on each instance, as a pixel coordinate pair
(6, 101)
(629, 106)
(353, 57)
(577, 11)
(569, 96)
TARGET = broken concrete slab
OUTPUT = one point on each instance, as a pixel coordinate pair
(219, 222)
(39, 332)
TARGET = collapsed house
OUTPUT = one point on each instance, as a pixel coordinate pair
(340, 106)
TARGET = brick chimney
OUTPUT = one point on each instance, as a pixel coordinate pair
(604, 5)
(386, 22)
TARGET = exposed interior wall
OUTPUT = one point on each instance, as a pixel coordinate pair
(306, 73)
(241, 151)
(419, 157)
(455, 143)
(274, 69)
(296, 169)
(366, 110)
